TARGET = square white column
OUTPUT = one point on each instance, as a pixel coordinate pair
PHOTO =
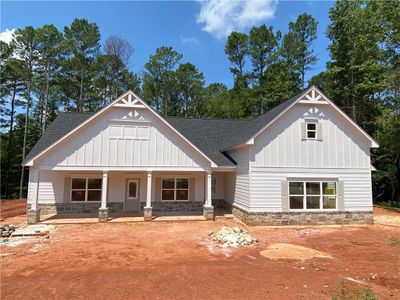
(208, 201)
(104, 186)
(35, 188)
(149, 181)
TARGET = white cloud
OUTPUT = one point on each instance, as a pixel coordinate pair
(7, 35)
(221, 17)
(190, 40)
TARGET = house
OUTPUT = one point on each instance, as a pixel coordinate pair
(303, 162)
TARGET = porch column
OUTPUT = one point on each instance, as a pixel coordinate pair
(33, 215)
(103, 210)
(208, 209)
(148, 210)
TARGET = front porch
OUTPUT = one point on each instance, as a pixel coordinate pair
(131, 218)
(113, 196)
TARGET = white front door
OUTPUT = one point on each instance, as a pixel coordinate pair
(132, 195)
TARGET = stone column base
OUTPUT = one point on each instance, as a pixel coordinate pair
(33, 216)
(208, 212)
(148, 213)
(103, 214)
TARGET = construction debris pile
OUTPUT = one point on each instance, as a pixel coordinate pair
(6, 230)
(233, 237)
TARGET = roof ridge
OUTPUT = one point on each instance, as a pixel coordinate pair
(76, 112)
(206, 119)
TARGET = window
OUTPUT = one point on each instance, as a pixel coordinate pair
(133, 187)
(129, 132)
(311, 127)
(312, 195)
(213, 185)
(175, 189)
(85, 189)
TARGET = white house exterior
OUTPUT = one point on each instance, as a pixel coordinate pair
(303, 162)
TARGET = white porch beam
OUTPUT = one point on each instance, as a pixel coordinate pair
(208, 189)
(149, 181)
(104, 190)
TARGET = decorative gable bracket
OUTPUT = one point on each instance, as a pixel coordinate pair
(129, 101)
(313, 96)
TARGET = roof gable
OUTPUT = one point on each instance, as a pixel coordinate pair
(59, 133)
(312, 95)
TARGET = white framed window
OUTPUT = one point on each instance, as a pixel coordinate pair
(86, 189)
(312, 195)
(311, 130)
(129, 132)
(213, 185)
(133, 189)
(175, 189)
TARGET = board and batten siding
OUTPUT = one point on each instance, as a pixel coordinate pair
(280, 153)
(242, 185)
(147, 142)
(281, 144)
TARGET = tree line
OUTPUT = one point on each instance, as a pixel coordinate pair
(45, 71)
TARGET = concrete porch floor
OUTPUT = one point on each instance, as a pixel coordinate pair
(128, 217)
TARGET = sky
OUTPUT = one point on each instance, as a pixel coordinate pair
(197, 29)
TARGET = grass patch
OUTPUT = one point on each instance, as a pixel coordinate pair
(389, 204)
(394, 242)
(344, 293)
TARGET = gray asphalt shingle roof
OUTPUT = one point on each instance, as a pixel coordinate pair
(64, 123)
(211, 136)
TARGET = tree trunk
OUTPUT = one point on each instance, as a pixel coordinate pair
(46, 99)
(21, 183)
(80, 100)
(10, 140)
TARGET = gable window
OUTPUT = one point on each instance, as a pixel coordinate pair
(311, 128)
(129, 132)
(312, 195)
(175, 189)
(213, 185)
(86, 189)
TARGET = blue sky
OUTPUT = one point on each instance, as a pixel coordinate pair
(196, 29)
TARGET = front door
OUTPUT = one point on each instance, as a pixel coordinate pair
(132, 195)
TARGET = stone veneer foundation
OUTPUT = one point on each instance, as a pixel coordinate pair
(174, 206)
(303, 218)
(117, 207)
(77, 208)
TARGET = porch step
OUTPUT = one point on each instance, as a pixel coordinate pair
(224, 217)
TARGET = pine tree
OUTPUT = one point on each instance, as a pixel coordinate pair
(159, 81)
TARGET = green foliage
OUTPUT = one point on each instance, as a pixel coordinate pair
(82, 44)
(159, 79)
(296, 47)
(386, 159)
(190, 84)
(44, 71)
(345, 293)
(237, 48)
(362, 78)
(394, 242)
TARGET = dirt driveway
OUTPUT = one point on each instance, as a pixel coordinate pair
(178, 261)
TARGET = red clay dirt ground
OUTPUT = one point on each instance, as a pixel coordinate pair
(177, 260)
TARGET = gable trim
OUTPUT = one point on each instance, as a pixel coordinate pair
(325, 100)
(101, 111)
